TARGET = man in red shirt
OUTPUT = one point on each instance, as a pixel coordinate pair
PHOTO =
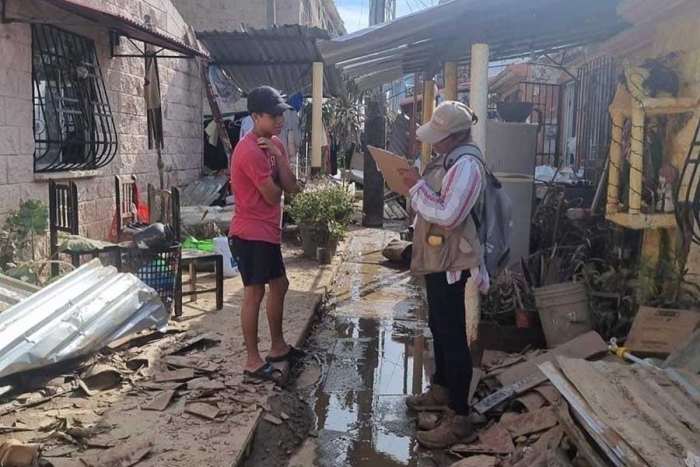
(260, 174)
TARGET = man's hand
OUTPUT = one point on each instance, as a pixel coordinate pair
(266, 144)
(410, 178)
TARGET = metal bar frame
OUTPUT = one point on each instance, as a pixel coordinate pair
(76, 104)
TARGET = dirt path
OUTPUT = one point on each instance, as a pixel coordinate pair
(178, 437)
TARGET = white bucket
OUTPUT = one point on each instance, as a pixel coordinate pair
(221, 247)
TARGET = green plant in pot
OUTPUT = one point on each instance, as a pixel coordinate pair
(322, 216)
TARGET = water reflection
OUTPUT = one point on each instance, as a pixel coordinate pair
(378, 358)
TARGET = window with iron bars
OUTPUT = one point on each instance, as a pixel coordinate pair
(73, 124)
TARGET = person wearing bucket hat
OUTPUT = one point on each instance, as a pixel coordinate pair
(447, 252)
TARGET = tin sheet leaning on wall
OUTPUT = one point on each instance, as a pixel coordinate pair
(75, 316)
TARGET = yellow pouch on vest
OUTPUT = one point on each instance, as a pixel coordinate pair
(435, 240)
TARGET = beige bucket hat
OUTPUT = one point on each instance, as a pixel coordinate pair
(450, 117)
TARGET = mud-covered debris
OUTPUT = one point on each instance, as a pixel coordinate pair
(184, 374)
(160, 402)
(477, 461)
(100, 377)
(203, 410)
(60, 451)
(17, 454)
(495, 440)
(531, 422)
(272, 419)
(188, 343)
(284, 416)
(124, 455)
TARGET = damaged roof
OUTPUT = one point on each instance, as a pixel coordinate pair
(425, 40)
(281, 57)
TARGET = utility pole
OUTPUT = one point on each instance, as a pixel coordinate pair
(271, 13)
(375, 135)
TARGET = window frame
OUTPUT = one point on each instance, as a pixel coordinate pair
(73, 122)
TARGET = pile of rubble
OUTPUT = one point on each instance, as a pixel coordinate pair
(580, 404)
(172, 370)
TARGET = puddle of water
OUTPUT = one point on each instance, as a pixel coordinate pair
(377, 358)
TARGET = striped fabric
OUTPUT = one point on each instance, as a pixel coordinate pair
(461, 187)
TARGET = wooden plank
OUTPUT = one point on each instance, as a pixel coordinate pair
(477, 374)
(601, 433)
(576, 435)
(587, 346)
(617, 398)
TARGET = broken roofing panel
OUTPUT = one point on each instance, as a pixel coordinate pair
(75, 316)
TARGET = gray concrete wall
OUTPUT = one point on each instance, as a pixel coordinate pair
(182, 109)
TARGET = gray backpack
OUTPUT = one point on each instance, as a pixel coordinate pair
(494, 222)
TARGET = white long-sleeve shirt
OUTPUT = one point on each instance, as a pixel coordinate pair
(461, 187)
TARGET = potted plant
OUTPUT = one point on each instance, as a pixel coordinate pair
(322, 216)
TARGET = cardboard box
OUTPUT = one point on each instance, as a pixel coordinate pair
(656, 332)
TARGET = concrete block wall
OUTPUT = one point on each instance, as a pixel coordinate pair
(182, 111)
(229, 15)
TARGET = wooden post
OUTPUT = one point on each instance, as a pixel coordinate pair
(478, 100)
(271, 13)
(451, 81)
(317, 119)
(428, 109)
(215, 111)
(636, 160)
(373, 188)
(412, 141)
(613, 201)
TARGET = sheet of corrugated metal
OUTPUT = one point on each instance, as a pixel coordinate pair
(281, 57)
(75, 316)
(112, 18)
(425, 40)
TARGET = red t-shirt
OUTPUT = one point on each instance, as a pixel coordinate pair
(254, 218)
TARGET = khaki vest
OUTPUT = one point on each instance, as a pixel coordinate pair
(460, 249)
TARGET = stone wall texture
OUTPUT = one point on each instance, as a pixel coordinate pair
(182, 110)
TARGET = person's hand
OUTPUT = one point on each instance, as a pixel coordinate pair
(266, 144)
(410, 178)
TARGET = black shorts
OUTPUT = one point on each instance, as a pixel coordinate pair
(258, 262)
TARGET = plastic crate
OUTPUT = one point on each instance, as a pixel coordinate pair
(156, 268)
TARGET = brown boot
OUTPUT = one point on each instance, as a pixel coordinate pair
(435, 399)
(454, 429)
(429, 420)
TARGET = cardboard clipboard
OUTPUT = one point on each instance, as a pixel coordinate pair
(392, 167)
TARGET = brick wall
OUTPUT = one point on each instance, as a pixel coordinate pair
(182, 111)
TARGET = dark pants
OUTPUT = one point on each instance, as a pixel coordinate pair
(447, 321)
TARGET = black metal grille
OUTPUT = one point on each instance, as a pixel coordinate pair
(546, 102)
(596, 91)
(73, 124)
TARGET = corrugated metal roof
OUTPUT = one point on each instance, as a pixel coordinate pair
(281, 57)
(125, 26)
(75, 316)
(425, 40)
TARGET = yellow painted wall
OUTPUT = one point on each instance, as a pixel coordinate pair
(680, 34)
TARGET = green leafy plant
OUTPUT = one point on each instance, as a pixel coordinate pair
(328, 210)
(19, 235)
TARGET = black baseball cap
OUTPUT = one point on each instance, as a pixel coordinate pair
(266, 100)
